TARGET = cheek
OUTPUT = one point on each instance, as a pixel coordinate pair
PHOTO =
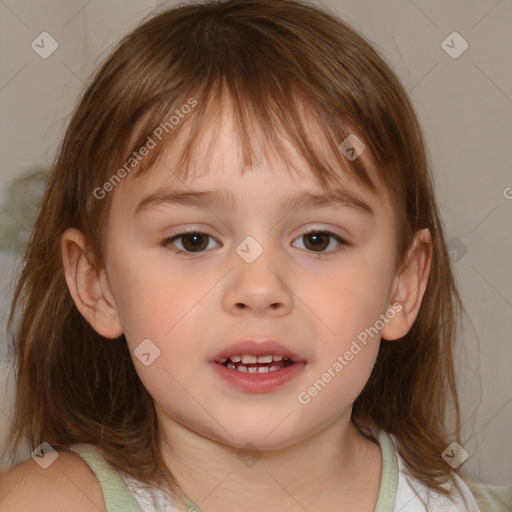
(350, 302)
(153, 295)
(353, 296)
(160, 310)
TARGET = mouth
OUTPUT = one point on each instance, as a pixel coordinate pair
(248, 363)
(257, 366)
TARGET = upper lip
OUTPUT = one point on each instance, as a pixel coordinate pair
(257, 348)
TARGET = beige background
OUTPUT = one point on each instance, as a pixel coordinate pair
(464, 105)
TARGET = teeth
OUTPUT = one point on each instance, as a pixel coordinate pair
(253, 369)
(251, 359)
(232, 365)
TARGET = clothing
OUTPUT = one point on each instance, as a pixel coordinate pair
(122, 493)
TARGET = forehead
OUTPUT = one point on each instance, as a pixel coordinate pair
(215, 164)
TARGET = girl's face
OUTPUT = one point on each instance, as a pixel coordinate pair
(250, 272)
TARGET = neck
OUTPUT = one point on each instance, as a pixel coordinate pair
(334, 464)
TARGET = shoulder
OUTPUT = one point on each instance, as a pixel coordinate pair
(67, 484)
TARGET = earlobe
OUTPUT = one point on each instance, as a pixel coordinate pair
(88, 286)
(410, 286)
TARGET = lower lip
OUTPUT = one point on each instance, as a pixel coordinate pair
(258, 382)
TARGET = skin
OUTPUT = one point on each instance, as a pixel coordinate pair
(312, 456)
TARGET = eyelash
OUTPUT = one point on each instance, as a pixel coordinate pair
(167, 243)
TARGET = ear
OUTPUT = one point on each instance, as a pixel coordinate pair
(410, 286)
(88, 286)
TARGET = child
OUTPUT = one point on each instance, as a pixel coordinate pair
(261, 369)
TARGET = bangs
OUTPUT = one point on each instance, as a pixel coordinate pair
(274, 80)
(263, 122)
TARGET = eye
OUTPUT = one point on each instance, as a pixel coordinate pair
(318, 241)
(191, 241)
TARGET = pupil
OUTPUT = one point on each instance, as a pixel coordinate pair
(318, 237)
(197, 237)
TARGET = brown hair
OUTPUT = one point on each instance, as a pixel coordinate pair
(274, 59)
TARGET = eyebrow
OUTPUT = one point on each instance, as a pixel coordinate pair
(226, 199)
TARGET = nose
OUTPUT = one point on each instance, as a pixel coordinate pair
(260, 287)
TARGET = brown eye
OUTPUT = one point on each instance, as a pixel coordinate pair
(195, 241)
(319, 241)
(191, 242)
